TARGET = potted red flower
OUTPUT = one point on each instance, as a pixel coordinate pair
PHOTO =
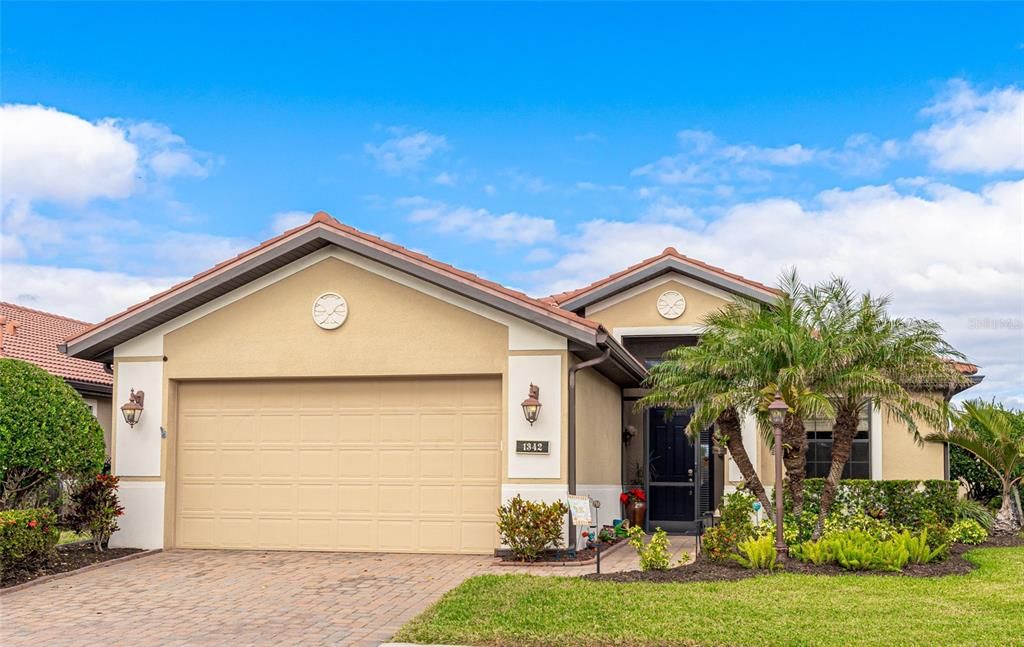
(635, 502)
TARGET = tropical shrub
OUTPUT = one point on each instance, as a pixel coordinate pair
(968, 531)
(969, 509)
(529, 527)
(919, 548)
(737, 508)
(982, 483)
(95, 509)
(858, 551)
(757, 553)
(819, 552)
(46, 432)
(654, 556)
(995, 435)
(721, 541)
(27, 537)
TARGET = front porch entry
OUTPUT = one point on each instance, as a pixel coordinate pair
(679, 472)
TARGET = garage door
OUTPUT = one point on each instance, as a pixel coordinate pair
(403, 465)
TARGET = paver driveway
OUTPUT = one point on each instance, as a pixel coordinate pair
(185, 597)
(234, 598)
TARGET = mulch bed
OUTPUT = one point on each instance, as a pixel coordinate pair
(562, 556)
(68, 557)
(704, 570)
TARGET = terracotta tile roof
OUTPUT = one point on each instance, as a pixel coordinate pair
(670, 252)
(33, 335)
(322, 218)
(966, 368)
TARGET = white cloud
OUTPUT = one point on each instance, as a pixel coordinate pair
(526, 182)
(56, 156)
(481, 224)
(285, 220)
(976, 132)
(942, 252)
(704, 159)
(490, 189)
(590, 137)
(792, 155)
(594, 186)
(405, 152)
(446, 179)
(83, 294)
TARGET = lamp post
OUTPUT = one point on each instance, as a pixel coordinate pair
(777, 414)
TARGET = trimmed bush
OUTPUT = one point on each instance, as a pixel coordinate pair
(27, 537)
(529, 527)
(46, 431)
(903, 504)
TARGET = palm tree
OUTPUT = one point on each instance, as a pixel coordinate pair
(745, 354)
(988, 431)
(872, 359)
(708, 380)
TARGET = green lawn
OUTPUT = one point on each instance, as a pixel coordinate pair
(985, 607)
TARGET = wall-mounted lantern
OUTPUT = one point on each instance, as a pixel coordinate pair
(531, 405)
(132, 410)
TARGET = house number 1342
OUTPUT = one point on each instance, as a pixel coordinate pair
(532, 446)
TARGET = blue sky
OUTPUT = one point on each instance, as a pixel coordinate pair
(540, 145)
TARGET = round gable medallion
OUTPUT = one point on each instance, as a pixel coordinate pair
(330, 310)
(671, 304)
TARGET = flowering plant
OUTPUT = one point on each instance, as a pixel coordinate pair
(632, 496)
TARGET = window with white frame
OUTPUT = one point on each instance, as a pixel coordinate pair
(819, 447)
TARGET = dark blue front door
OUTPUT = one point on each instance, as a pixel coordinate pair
(672, 471)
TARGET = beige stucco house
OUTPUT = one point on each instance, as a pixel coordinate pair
(329, 390)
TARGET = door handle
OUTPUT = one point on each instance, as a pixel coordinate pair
(689, 472)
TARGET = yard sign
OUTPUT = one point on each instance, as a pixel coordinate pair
(579, 506)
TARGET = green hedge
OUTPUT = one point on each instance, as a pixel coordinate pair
(27, 537)
(901, 503)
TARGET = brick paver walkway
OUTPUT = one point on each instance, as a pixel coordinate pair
(237, 598)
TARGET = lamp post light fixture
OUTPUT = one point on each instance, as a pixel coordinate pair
(132, 410)
(531, 405)
(777, 414)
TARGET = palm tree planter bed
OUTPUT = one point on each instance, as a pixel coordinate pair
(67, 557)
(704, 570)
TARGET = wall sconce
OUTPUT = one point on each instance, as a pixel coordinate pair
(132, 410)
(627, 434)
(531, 405)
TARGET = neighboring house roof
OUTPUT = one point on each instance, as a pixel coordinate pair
(33, 336)
(321, 231)
(668, 261)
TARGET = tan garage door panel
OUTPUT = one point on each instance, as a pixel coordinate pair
(410, 465)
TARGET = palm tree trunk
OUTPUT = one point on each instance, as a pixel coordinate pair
(844, 429)
(1006, 520)
(794, 457)
(729, 424)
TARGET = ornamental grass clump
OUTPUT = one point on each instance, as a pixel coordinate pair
(528, 528)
